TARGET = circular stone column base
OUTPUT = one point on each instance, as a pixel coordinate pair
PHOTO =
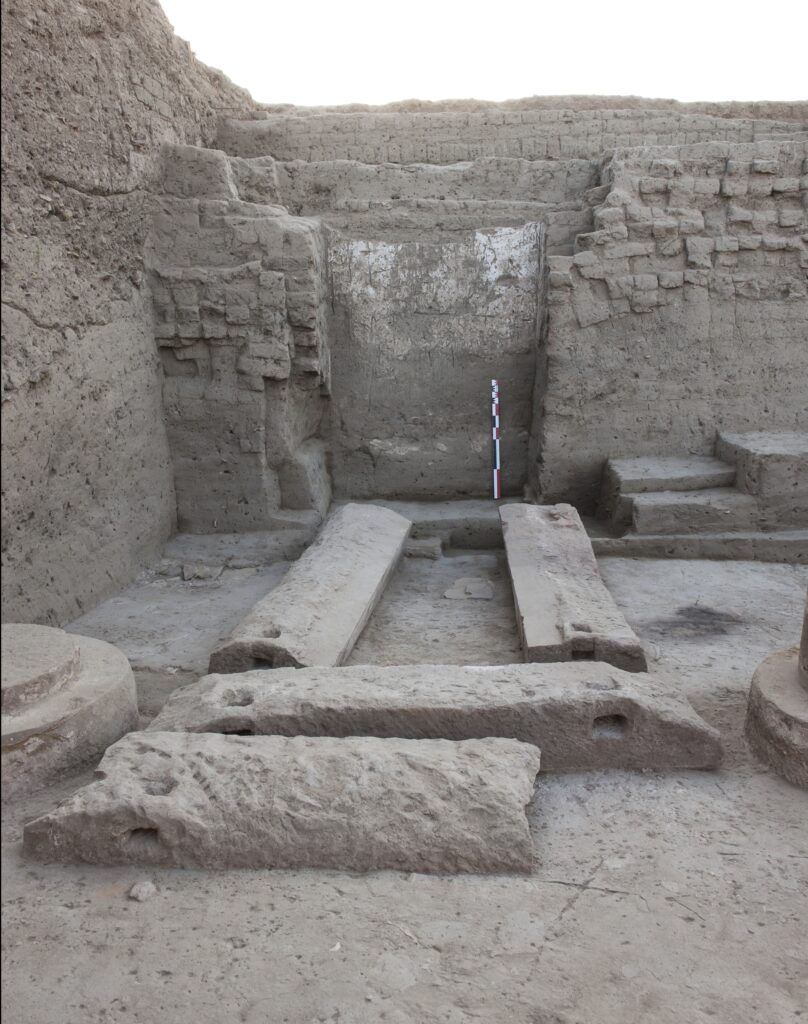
(58, 718)
(777, 717)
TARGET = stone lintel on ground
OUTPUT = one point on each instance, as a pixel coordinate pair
(361, 804)
(316, 613)
(563, 610)
(581, 715)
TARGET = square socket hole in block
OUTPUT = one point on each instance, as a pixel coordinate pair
(610, 727)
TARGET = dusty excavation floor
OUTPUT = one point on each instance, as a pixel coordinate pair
(659, 899)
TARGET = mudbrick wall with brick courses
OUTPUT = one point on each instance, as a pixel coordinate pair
(682, 313)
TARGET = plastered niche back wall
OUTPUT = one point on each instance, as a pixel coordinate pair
(89, 93)
(419, 330)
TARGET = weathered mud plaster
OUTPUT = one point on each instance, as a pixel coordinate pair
(316, 614)
(563, 610)
(581, 716)
(361, 804)
(419, 331)
(777, 715)
(65, 699)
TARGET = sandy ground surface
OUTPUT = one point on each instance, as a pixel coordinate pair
(415, 623)
(167, 626)
(656, 899)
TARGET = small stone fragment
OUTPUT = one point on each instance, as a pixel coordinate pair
(470, 588)
(142, 890)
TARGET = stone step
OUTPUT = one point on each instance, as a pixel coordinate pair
(719, 509)
(622, 477)
(316, 613)
(583, 716)
(784, 546)
(451, 137)
(769, 464)
(563, 610)
(360, 804)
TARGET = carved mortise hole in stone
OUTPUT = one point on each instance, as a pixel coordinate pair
(159, 787)
(238, 732)
(610, 727)
(241, 699)
(258, 663)
(583, 655)
(272, 633)
(143, 842)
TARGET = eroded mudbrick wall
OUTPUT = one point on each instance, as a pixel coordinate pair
(450, 137)
(89, 93)
(241, 324)
(683, 313)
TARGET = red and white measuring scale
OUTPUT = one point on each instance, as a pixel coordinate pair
(495, 437)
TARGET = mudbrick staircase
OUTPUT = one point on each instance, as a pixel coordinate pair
(748, 500)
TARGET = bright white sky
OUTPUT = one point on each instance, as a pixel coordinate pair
(315, 52)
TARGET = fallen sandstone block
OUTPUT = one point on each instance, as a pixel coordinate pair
(315, 615)
(563, 609)
(581, 715)
(207, 801)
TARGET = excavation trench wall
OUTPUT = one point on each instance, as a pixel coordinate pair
(89, 91)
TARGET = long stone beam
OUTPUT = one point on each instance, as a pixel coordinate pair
(207, 801)
(316, 613)
(581, 716)
(563, 610)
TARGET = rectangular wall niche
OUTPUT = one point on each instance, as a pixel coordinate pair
(420, 329)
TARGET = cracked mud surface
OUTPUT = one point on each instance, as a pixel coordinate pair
(657, 899)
